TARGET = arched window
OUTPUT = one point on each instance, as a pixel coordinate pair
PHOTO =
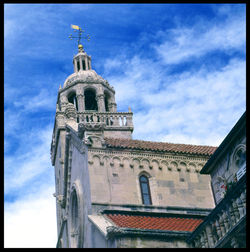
(90, 100)
(72, 99)
(145, 190)
(74, 221)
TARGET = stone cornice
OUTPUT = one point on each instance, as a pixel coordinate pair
(152, 154)
(77, 80)
(113, 231)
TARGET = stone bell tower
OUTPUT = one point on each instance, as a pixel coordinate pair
(86, 104)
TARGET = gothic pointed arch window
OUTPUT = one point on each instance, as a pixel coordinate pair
(74, 220)
(90, 100)
(145, 190)
(72, 99)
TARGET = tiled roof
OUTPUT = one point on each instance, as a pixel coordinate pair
(153, 222)
(159, 146)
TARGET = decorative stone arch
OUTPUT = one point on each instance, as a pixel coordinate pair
(96, 159)
(136, 162)
(75, 216)
(154, 163)
(105, 158)
(115, 162)
(164, 164)
(182, 166)
(191, 167)
(173, 165)
(145, 163)
(90, 98)
(199, 166)
(126, 162)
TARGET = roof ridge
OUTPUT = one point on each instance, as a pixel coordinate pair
(146, 141)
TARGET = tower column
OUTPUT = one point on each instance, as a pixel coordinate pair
(86, 63)
(80, 102)
(75, 66)
(81, 66)
(100, 102)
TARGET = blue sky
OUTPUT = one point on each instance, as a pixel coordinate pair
(180, 67)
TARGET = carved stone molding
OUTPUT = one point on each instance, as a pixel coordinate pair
(148, 162)
(94, 126)
(70, 111)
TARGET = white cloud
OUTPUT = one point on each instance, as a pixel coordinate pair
(185, 43)
(199, 106)
(31, 159)
(30, 222)
(43, 100)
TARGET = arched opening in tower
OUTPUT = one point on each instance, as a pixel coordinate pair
(72, 99)
(90, 100)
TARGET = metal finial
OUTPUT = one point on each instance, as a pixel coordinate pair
(80, 31)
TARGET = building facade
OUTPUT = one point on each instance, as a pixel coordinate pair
(112, 190)
(225, 226)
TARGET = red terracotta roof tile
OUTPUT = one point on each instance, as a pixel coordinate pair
(159, 146)
(153, 222)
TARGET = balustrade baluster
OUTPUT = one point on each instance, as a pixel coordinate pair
(226, 220)
(221, 222)
(210, 235)
(236, 210)
(240, 207)
(202, 241)
(205, 239)
(243, 199)
(218, 230)
(122, 121)
(196, 242)
(116, 120)
(231, 210)
(234, 243)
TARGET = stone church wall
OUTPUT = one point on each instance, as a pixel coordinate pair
(174, 179)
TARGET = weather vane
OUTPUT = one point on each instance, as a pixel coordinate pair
(80, 31)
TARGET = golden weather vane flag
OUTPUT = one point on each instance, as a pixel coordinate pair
(75, 27)
(80, 32)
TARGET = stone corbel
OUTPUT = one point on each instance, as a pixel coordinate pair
(81, 130)
(60, 199)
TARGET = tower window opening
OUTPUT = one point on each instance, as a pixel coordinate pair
(107, 101)
(90, 100)
(145, 190)
(78, 66)
(106, 104)
(83, 64)
(72, 99)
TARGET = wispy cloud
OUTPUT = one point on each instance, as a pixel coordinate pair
(183, 106)
(184, 43)
(44, 100)
(31, 160)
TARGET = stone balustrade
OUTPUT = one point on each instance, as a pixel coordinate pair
(110, 119)
(219, 227)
